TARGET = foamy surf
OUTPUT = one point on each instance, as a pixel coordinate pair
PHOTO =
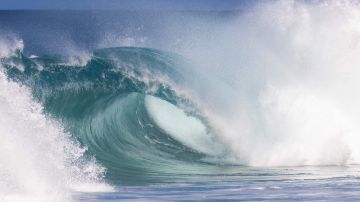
(39, 161)
(262, 102)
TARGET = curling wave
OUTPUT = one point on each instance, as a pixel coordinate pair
(125, 106)
(284, 98)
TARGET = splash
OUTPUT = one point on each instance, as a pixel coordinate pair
(39, 161)
(292, 71)
(276, 85)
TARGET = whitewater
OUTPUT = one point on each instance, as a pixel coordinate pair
(257, 104)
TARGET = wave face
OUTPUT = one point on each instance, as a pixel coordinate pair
(125, 106)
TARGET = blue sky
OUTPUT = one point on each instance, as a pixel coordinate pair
(125, 4)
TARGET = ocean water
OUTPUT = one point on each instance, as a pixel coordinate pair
(255, 104)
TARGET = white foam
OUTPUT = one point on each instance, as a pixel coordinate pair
(33, 56)
(38, 161)
(292, 70)
(9, 46)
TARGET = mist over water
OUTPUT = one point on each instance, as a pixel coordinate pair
(291, 69)
(185, 94)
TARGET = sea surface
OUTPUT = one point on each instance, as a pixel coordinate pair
(256, 104)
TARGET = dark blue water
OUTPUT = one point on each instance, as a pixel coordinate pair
(61, 31)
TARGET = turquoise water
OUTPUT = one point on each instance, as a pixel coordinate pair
(112, 106)
(253, 105)
(107, 106)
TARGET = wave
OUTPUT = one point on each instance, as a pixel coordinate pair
(125, 105)
(238, 97)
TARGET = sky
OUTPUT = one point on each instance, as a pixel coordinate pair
(125, 4)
